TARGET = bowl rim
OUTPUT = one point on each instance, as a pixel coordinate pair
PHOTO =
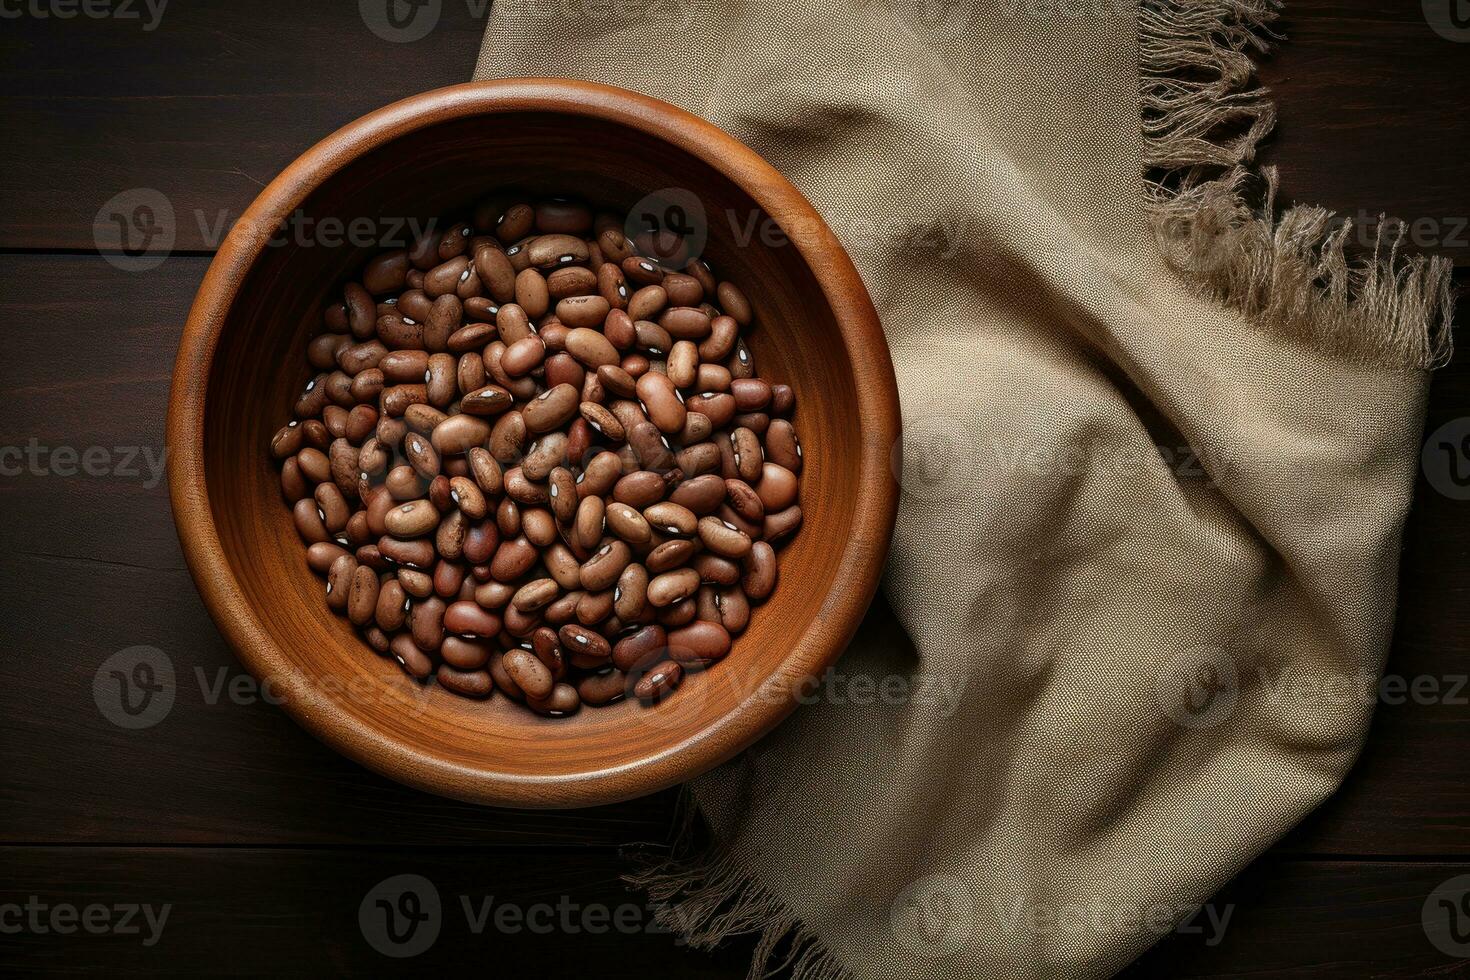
(811, 653)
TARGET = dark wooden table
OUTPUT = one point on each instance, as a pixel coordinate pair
(263, 842)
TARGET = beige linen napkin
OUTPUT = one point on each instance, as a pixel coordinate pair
(1159, 444)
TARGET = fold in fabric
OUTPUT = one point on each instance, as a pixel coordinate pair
(1159, 444)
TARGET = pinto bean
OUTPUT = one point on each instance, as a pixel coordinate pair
(535, 455)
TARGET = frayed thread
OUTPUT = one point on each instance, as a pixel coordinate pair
(1202, 121)
(1293, 271)
(704, 895)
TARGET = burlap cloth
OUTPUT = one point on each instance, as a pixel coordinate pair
(1159, 444)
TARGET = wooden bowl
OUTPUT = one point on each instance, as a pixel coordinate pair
(242, 361)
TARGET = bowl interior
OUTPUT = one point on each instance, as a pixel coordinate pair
(259, 367)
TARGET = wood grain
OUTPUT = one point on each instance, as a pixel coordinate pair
(565, 914)
(73, 777)
(280, 912)
(207, 109)
(1370, 109)
(90, 565)
(239, 369)
(1327, 920)
(221, 96)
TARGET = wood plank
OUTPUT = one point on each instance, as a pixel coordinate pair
(554, 913)
(96, 564)
(225, 765)
(1294, 920)
(91, 565)
(268, 912)
(214, 102)
(1371, 116)
(205, 109)
(1367, 94)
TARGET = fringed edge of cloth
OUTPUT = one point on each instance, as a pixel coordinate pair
(1295, 271)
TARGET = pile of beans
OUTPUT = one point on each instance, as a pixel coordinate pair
(537, 457)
